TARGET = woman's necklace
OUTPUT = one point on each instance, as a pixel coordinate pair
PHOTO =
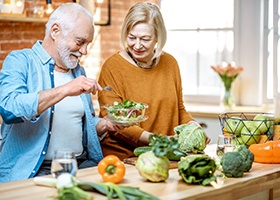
(140, 64)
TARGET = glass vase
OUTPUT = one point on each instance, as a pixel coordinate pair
(227, 98)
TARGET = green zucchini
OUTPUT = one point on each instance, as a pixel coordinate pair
(174, 156)
(140, 150)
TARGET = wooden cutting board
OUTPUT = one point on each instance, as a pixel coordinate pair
(132, 161)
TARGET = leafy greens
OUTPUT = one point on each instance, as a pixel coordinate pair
(191, 138)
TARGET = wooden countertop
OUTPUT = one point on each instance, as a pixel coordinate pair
(262, 177)
(213, 111)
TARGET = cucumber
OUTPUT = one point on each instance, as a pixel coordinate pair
(140, 150)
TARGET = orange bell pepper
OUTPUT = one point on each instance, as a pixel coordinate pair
(268, 152)
(112, 169)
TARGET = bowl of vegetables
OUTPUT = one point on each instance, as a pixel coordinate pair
(248, 127)
(127, 113)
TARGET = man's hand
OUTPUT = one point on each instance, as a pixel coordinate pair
(81, 85)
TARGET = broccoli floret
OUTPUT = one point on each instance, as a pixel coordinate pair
(247, 155)
(232, 164)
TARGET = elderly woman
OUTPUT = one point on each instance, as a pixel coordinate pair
(142, 72)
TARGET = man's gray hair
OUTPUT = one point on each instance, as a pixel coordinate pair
(66, 16)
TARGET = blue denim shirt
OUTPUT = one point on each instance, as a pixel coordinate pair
(26, 137)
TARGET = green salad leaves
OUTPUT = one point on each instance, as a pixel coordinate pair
(128, 104)
(126, 113)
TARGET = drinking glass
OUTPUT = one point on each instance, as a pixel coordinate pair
(64, 162)
(226, 143)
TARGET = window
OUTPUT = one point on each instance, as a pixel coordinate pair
(202, 33)
(199, 37)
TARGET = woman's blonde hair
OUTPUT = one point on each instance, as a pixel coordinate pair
(149, 13)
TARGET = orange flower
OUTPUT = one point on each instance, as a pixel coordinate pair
(228, 72)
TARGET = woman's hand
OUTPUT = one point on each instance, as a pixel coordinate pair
(113, 127)
(144, 138)
(105, 125)
(208, 139)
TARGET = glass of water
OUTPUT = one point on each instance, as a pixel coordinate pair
(64, 161)
(226, 143)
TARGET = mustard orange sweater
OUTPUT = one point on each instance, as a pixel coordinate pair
(160, 88)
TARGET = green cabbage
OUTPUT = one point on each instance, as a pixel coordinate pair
(152, 167)
(191, 138)
(197, 169)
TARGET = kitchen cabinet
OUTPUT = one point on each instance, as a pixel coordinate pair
(212, 127)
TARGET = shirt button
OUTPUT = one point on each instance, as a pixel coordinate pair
(43, 152)
(50, 132)
(33, 171)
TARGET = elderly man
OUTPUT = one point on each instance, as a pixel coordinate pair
(45, 99)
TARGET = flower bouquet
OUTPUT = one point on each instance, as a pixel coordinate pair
(228, 72)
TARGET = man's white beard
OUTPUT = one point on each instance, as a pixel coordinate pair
(65, 56)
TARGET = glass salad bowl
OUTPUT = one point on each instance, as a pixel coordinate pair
(126, 113)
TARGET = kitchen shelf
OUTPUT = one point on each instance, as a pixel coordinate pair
(39, 20)
(15, 18)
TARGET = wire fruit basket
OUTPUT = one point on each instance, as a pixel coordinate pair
(248, 127)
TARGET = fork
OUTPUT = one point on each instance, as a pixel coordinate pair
(108, 88)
